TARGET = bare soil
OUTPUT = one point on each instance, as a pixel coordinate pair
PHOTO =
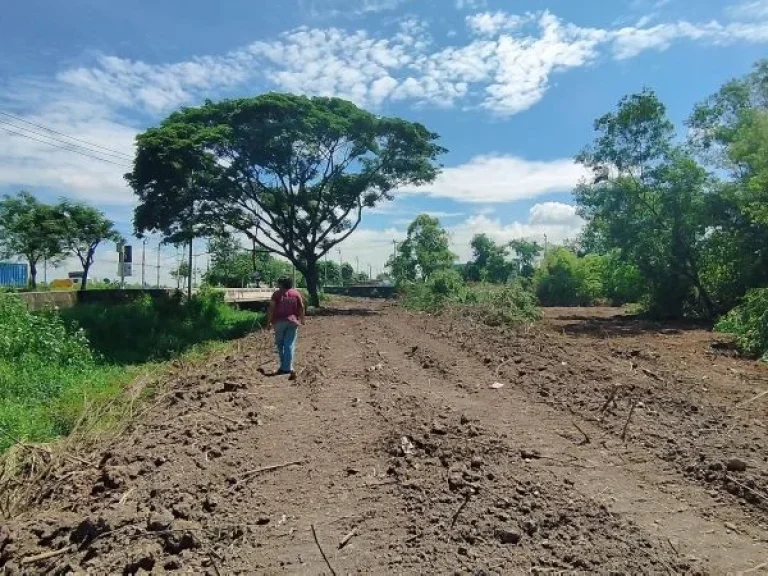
(592, 442)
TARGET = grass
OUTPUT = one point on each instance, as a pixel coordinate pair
(492, 304)
(56, 367)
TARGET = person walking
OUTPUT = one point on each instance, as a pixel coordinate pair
(286, 314)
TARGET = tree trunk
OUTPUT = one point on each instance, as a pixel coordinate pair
(311, 275)
(84, 279)
(33, 274)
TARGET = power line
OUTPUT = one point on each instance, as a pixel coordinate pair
(75, 150)
(18, 119)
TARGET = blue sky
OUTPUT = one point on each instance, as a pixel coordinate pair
(512, 87)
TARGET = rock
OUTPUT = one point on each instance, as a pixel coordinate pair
(87, 530)
(530, 454)
(210, 503)
(735, 465)
(143, 560)
(477, 462)
(464, 419)
(732, 527)
(508, 536)
(182, 510)
(716, 466)
(438, 428)
(159, 520)
(530, 527)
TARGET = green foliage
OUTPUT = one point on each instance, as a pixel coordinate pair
(488, 262)
(650, 201)
(424, 252)
(293, 173)
(153, 329)
(494, 305)
(562, 280)
(42, 361)
(749, 323)
(526, 252)
(30, 229)
(83, 228)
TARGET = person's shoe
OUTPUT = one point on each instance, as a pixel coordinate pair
(292, 375)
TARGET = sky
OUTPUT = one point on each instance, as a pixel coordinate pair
(512, 87)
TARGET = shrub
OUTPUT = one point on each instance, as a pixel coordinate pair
(561, 280)
(748, 322)
(153, 329)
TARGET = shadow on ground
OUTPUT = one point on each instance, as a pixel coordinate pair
(621, 325)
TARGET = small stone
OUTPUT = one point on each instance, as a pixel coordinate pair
(735, 465)
(464, 419)
(477, 462)
(530, 527)
(182, 510)
(262, 521)
(463, 551)
(508, 536)
(530, 454)
(438, 428)
(210, 503)
(730, 526)
(716, 466)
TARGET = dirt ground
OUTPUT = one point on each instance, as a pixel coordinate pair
(592, 442)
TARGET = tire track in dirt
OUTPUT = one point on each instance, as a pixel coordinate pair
(402, 445)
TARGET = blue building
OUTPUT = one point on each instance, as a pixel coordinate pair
(13, 275)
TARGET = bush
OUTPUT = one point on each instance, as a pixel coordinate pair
(748, 322)
(154, 329)
(492, 304)
(561, 280)
(46, 368)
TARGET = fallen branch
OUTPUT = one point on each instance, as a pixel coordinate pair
(344, 541)
(502, 364)
(747, 488)
(629, 417)
(652, 375)
(251, 473)
(763, 393)
(456, 514)
(611, 398)
(586, 437)
(314, 535)
(46, 555)
(213, 563)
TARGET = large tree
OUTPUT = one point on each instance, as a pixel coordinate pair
(83, 229)
(30, 229)
(526, 252)
(424, 251)
(648, 199)
(293, 173)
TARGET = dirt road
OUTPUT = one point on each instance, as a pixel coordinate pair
(413, 444)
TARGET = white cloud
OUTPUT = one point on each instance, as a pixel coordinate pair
(491, 23)
(750, 9)
(502, 179)
(470, 4)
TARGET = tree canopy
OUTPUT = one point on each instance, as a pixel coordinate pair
(424, 251)
(293, 173)
(31, 229)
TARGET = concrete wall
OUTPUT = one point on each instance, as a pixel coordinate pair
(37, 301)
(362, 291)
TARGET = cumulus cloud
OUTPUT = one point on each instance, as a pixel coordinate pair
(502, 179)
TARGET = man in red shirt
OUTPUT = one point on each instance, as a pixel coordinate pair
(286, 314)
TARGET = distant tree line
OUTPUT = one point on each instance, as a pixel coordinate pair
(41, 232)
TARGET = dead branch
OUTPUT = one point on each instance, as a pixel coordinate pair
(763, 393)
(652, 375)
(327, 563)
(245, 476)
(213, 563)
(629, 417)
(499, 367)
(611, 398)
(344, 541)
(46, 555)
(586, 437)
(458, 511)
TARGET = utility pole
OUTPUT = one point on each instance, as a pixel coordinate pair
(341, 274)
(158, 263)
(45, 270)
(143, 261)
(357, 264)
(370, 272)
(189, 271)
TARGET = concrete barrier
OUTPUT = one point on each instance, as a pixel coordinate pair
(362, 291)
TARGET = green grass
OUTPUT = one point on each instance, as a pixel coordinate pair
(54, 367)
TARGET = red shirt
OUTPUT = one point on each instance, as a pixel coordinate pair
(287, 306)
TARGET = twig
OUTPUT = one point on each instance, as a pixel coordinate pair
(251, 473)
(763, 393)
(652, 375)
(629, 417)
(586, 437)
(456, 514)
(673, 546)
(46, 555)
(745, 487)
(611, 397)
(344, 541)
(314, 535)
(756, 568)
(213, 563)
(502, 364)
(214, 414)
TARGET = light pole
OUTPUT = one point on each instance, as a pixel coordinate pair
(341, 274)
(159, 244)
(143, 261)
